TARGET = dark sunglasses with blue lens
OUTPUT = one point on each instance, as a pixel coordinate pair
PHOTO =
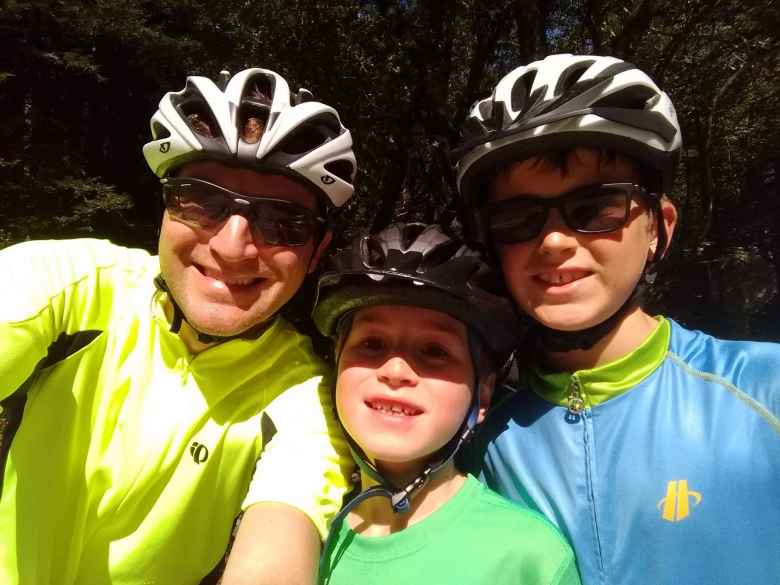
(275, 222)
(595, 209)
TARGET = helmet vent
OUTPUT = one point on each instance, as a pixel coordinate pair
(200, 119)
(569, 77)
(371, 253)
(472, 128)
(410, 234)
(159, 131)
(440, 255)
(632, 98)
(486, 109)
(302, 140)
(343, 169)
(521, 90)
(313, 134)
(253, 120)
(616, 68)
(535, 99)
(260, 89)
(255, 108)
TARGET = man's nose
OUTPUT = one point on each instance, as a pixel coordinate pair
(234, 241)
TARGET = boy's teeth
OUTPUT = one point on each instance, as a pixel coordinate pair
(393, 409)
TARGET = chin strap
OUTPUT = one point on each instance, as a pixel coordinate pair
(401, 498)
(555, 340)
(207, 338)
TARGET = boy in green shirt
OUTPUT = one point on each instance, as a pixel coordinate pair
(420, 334)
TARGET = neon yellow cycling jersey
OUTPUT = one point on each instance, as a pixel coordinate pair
(133, 457)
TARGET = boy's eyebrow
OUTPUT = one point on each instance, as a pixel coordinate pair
(431, 322)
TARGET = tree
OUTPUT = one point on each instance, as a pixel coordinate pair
(80, 80)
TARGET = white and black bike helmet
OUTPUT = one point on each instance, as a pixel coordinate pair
(563, 102)
(560, 103)
(254, 121)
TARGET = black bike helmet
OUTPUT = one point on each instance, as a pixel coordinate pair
(411, 264)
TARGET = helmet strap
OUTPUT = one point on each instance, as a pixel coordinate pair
(554, 340)
(207, 338)
(400, 498)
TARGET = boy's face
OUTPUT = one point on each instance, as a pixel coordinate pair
(404, 384)
(225, 279)
(564, 279)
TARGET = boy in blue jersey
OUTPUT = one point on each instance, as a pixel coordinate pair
(655, 449)
(419, 333)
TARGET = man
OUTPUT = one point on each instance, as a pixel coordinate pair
(655, 449)
(145, 389)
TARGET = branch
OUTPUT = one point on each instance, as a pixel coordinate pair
(675, 43)
(748, 64)
(593, 20)
(635, 26)
(486, 44)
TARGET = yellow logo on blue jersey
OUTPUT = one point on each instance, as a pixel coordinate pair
(676, 504)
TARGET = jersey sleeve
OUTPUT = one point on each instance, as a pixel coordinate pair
(51, 288)
(307, 462)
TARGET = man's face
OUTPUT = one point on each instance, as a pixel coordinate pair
(225, 280)
(564, 279)
(404, 384)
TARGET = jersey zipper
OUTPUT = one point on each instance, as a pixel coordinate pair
(578, 410)
(576, 400)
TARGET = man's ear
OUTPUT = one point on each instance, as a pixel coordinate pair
(486, 388)
(321, 247)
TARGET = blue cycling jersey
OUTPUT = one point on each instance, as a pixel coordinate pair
(671, 471)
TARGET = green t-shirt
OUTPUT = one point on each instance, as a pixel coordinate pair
(476, 537)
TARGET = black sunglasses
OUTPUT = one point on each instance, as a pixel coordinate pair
(277, 222)
(595, 209)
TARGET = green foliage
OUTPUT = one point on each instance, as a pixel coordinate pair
(79, 81)
(67, 207)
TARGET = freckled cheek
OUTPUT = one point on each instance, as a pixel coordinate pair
(349, 379)
(348, 403)
(455, 403)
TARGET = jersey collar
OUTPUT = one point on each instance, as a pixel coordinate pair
(609, 380)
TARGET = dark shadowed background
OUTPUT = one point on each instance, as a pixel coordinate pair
(79, 81)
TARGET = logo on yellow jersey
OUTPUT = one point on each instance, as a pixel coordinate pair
(199, 452)
(676, 505)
